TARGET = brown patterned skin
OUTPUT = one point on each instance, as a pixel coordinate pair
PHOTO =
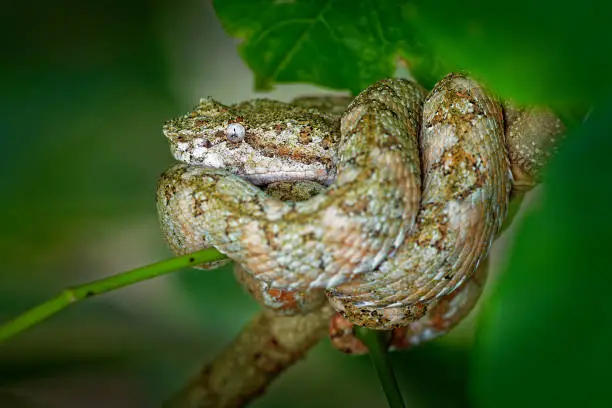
(281, 142)
(285, 302)
(532, 137)
(322, 242)
(466, 186)
(441, 316)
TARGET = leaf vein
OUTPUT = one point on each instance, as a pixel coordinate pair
(281, 24)
(300, 40)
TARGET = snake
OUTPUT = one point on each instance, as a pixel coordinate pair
(417, 187)
(371, 203)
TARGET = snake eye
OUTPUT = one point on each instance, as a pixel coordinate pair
(235, 132)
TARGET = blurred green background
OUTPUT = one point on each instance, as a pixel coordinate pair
(86, 87)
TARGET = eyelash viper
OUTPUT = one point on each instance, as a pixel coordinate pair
(361, 239)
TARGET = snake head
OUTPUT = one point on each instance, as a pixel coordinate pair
(196, 137)
(260, 140)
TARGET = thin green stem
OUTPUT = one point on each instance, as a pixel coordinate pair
(376, 342)
(72, 295)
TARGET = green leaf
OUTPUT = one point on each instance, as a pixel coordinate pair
(553, 53)
(545, 335)
(340, 44)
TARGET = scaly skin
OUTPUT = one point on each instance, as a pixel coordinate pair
(440, 318)
(320, 243)
(283, 142)
(466, 186)
(285, 302)
(532, 137)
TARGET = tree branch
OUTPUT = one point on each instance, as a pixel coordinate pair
(264, 349)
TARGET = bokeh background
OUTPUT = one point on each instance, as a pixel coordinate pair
(86, 87)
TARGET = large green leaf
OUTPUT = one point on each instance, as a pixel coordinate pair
(553, 53)
(340, 44)
(546, 336)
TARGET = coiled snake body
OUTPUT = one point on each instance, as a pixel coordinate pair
(383, 249)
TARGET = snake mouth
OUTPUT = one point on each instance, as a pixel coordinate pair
(264, 178)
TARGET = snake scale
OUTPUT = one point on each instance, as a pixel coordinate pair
(418, 187)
